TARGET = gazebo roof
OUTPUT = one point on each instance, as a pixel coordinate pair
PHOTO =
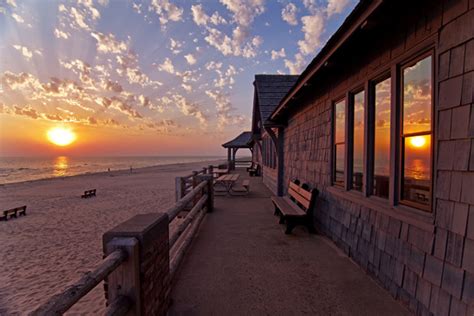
(244, 140)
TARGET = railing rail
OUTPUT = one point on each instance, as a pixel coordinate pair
(60, 303)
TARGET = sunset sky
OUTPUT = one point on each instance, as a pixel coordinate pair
(162, 77)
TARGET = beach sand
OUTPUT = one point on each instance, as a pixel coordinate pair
(60, 238)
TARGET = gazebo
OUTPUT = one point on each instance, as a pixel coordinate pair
(244, 140)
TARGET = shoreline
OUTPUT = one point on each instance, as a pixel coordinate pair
(213, 161)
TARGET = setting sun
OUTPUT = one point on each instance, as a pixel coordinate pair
(61, 136)
(418, 141)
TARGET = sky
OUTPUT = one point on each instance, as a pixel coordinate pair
(161, 77)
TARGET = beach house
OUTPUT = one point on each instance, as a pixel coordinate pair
(381, 122)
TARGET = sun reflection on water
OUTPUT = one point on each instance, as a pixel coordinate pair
(60, 166)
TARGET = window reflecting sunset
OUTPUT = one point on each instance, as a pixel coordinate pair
(382, 138)
(358, 150)
(416, 137)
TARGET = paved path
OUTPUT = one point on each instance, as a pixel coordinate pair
(241, 263)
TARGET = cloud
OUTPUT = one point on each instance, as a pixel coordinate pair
(288, 14)
(167, 66)
(297, 66)
(60, 34)
(166, 11)
(278, 54)
(224, 109)
(27, 52)
(336, 6)
(17, 18)
(175, 46)
(113, 86)
(189, 108)
(244, 11)
(124, 107)
(202, 19)
(190, 59)
(26, 111)
(108, 43)
(313, 27)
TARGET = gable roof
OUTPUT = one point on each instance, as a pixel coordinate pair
(269, 91)
(244, 140)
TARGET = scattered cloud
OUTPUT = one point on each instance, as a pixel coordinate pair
(278, 54)
(190, 59)
(106, 43)
(288, 14)
(17, 18)
(166, 11)
(167, 66)
(60, 34)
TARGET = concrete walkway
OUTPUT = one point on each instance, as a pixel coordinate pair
(242, 263)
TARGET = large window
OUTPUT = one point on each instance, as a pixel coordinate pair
(381, 137)
(416, 133)
(339, 141)
(357, 162)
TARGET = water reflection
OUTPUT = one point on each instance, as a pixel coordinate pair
(60, 166)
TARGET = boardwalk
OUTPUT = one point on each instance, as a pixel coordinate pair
(241, 263)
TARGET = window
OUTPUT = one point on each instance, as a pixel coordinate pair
(416, 132)
(381, 138)
(339, 141)
(357, 161)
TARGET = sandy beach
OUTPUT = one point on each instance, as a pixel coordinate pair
(60, 238)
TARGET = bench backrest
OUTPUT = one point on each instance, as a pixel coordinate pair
(303, 198)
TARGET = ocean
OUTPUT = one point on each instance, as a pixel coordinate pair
(18, 169)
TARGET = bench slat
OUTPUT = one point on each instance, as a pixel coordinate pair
(287, 207)
(299, 198)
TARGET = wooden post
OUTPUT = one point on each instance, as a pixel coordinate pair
(280, 162)
(125, 280)
(180, 188)
(195, 183)
(209, 190)
(210, 170)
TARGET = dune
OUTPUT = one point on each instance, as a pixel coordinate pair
(60, 238)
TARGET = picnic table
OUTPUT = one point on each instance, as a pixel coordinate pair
(226, 181)
(218, 172)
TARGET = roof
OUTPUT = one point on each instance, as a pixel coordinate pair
(353, 23)
(244, 140)
(270, 89)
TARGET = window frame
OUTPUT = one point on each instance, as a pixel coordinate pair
(402, 136)
(371, 125)
(350, 141)
(334, 144)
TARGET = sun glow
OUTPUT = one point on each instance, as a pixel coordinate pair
(418, 141)
(61, 136)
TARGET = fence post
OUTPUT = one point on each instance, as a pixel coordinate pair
(125, 280)
(195, 183)
(150, 231)
(180, 188)
(209, 190)
(210, 170)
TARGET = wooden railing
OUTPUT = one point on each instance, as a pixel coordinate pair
(123, 265)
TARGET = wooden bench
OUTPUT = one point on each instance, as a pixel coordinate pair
(296, 208)
(14, 212)
(254, 169)
(88, 194)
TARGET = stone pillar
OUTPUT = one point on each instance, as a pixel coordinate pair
(229, 158)
(151, 292)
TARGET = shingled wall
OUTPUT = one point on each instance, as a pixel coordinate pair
(426, 260)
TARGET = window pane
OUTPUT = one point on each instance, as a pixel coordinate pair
(382, 139)
(417, 170)
(339, 172)
(340, 125)
(358, 159)
(417, 97)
